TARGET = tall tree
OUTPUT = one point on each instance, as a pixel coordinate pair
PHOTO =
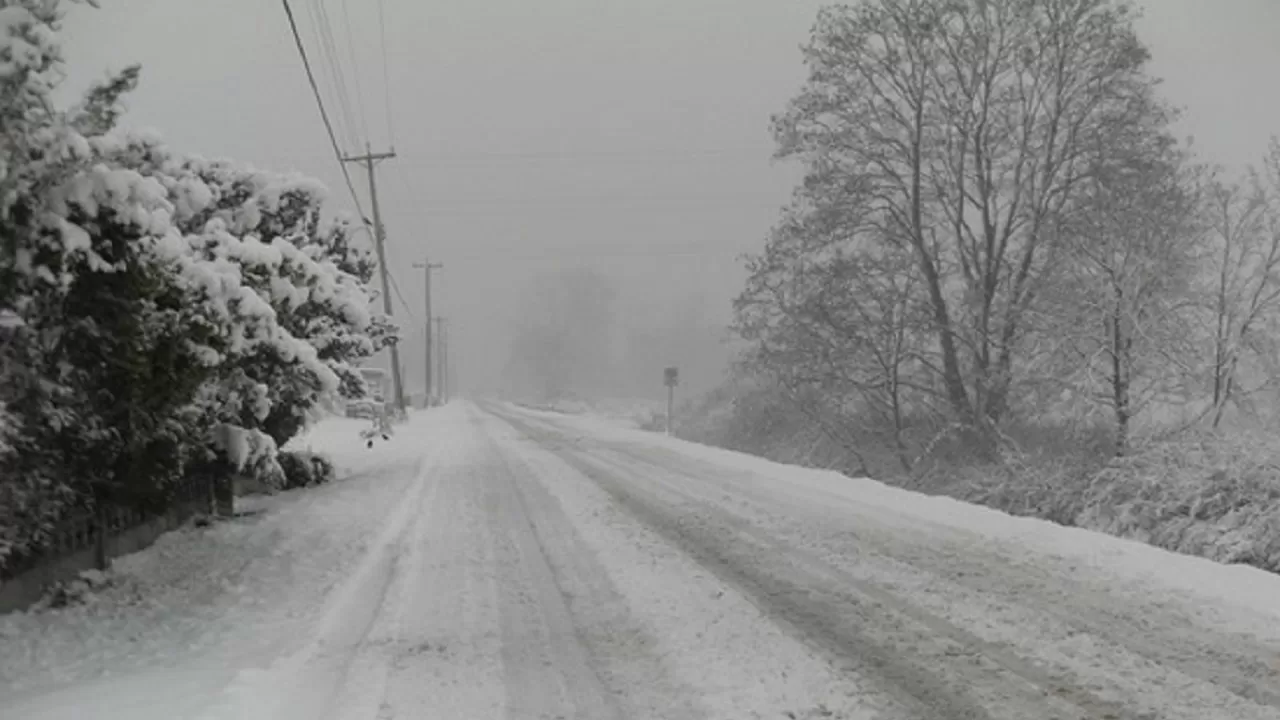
(830, 308)
(1121, 325)
(1242, 285)
(970, 123)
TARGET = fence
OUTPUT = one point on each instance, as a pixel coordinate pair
(89, 540)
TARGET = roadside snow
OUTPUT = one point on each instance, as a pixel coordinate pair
(719, 646)
(175, 618)
(1238, 598)
(628, 412)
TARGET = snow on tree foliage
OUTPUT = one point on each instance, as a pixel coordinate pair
(163, 315)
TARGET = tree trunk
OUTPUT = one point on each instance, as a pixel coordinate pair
(1121, 347)
(101, 558)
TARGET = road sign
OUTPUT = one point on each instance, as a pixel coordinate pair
(672, 377)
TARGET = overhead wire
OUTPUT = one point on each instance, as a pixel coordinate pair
(329, 129)
(334, 57)
(391, 137)
(396, 287)
(331, 56)
(325, 71)
(386, 74)
(355, 70)
(324, 115)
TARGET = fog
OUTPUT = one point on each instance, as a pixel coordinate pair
(554, 152)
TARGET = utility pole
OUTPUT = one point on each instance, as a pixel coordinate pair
(450, 384)
(670, 378)
(426, 266)
(442, 354)
(368, 159)
(439, 359)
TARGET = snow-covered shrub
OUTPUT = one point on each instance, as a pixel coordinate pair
(96, 362)
(1050, 488)
(305, 469)
(74, 591)
(150, 302)
(308, 271)
(1216, 495)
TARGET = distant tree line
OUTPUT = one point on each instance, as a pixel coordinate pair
(574, 336)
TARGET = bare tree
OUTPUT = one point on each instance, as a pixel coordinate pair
(1242, 287)
(969, 125)
(1124, 303)
(830, 307)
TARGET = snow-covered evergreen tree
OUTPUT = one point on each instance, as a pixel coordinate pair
(159, 315)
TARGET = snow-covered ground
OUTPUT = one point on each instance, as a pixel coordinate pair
(629, 412)
(178, 619)
(497, 562)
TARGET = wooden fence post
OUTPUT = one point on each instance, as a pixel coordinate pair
(100, 558)
(224, 496)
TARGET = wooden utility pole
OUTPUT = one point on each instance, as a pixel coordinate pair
(447, 383)
(368, 159)
(442, 353)
(670, 378)
(427, 266)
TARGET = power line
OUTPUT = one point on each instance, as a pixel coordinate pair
(322, 65)
(579, 253)
(743, 153)
(331, 48)
(315, 90)
(409, 187)
(386, 75)
(693, 206)
(355, 68)
(403, 304)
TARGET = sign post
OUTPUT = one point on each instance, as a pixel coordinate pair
(671, 377)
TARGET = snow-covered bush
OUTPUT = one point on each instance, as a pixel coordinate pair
(162, 316)
(1047, 487)
(309, 271)
(305, 469)
(1216, 495)
(95, 366)
(75, 591)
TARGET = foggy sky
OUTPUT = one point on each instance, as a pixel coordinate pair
(627, 135)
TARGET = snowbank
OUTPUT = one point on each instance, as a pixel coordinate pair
(640, 413)
(1222, 586)
(1217, 496)
(238, 593)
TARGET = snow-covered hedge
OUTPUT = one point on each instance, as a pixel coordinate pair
(1216, 495)
(163, 316)
(305, 469)
(1211, 494)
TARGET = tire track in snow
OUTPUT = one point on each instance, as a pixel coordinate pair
(442, 661)
(816, 601)
(304, 685)
(731, 660)
(1225, 663)
(1044, 688)
(547, 669)
(632, 679)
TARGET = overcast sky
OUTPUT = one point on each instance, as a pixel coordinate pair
(629, 135)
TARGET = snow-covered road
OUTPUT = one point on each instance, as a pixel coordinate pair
(496, 562)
